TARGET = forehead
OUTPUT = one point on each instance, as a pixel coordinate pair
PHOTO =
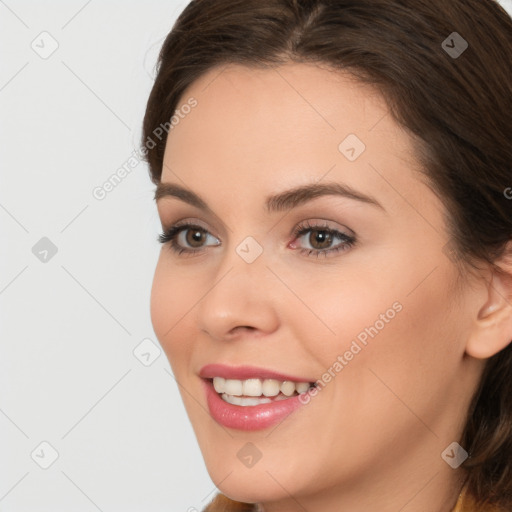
(264, 126)
(234, 96)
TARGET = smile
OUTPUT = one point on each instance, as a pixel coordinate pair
(251, 392)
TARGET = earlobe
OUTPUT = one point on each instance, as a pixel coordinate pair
(492, 331)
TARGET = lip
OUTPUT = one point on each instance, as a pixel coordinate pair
(246, 372)
(253, 417)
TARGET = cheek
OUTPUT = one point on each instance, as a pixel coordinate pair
(339, 310)
(404, 365)
(171, 299)
(394, 335)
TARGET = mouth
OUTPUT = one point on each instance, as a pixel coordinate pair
(256, 391)
(252, 398)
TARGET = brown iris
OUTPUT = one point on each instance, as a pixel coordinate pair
(195, 236)
(323, 238)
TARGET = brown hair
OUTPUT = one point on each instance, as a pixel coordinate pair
(457, 108)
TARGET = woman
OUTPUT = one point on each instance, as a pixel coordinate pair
(334, 293)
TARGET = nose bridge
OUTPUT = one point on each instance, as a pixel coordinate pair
(244, 255)
(238, 295)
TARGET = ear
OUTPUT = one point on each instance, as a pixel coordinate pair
(493, 326)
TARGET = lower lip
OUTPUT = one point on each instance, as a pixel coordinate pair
(251, 417)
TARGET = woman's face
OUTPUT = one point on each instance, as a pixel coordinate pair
(363, 300)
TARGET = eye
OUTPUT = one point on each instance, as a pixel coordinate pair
(186, 238)
(320, 239)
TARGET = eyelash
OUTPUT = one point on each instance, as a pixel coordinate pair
(169, 236)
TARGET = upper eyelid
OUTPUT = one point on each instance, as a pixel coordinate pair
(302, 226)
(192, 221)
(315, 222)
(186, 223)
(223, 227)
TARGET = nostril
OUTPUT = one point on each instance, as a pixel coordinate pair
(235, 330)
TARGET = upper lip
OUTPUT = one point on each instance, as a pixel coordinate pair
(246, 372)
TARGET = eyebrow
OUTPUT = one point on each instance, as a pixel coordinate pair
(276, 203)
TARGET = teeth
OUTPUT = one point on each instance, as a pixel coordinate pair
(288, 388)
(236, 400)
(233, 387)
(251, 387)
(218, 384)
(258, 387)
(271, 387)
(301, 387)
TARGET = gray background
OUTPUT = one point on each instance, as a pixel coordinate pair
(73, 372)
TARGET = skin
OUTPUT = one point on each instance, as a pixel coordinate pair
(372, 438)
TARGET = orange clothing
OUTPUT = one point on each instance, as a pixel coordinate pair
(466, 503)
(223, 504)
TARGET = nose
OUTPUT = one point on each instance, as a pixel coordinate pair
(239, 301)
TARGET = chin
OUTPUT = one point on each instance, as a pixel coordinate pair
(256, 484)
(250, 491)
